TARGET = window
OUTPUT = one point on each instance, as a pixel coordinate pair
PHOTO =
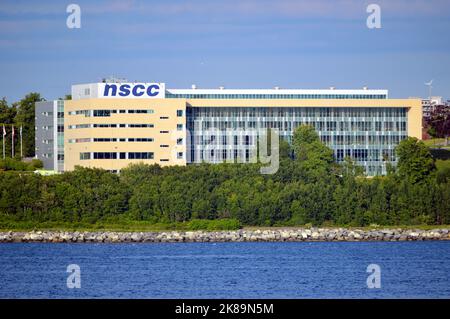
(179, 141)
(85, 156)
(79, 126)
(140, 139)
(102, 113)
(163, 145)
(141, 111)
(163, 117)
(103, 139)
(105, 155)
(104, 125)
(179, 127)
(140, 155)
(123, 155)
(179, 155)
(79, 140)
(179, 113)
(140, 125)
(163, 132)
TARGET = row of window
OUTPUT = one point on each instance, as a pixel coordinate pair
(77, 126)
(116, 155)
(297, 112)
(331, 141)
(328, 139)
(360, 155)
(223, 155)
(223, 140)
(363, 155)
(318, 125)
(112, 139)
(106, 113)
(80, 126)
(123, 155)
(362, 139)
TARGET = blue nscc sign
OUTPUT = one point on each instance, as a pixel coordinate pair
(133, 90)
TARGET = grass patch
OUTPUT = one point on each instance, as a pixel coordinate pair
(365, 228)
(442, 164)
(434, 142)
(122, 226)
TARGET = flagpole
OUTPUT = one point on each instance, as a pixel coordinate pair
(21, 149)
(3, 135)
(12, 142)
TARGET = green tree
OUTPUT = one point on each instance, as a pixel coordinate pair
(7, 115)
(415, 162)
(285, 149)
(315, 156)
(25, 119)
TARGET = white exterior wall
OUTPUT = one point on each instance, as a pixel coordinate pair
(275, 91)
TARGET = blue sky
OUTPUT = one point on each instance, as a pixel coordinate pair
(234, 43)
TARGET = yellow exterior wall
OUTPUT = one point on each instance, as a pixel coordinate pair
(168, 108)
(161, 107)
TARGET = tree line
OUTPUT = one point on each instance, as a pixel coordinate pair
(19, 114)
(309, 188)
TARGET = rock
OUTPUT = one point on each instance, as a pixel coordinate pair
(300, 234)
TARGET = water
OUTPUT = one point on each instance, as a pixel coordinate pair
(226, 270)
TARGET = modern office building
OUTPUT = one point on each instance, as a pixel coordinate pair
(110, 125)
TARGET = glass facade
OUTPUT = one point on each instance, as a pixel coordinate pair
(367, 134)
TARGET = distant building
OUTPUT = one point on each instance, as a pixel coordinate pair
(49, 127)
(110, 125)
(428, 105)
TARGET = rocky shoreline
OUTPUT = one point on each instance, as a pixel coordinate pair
(245, 235)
